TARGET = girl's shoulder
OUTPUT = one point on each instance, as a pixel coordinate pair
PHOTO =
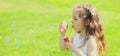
(92, 45)
(91, 38)
(92, 42)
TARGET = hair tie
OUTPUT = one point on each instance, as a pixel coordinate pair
(93, 12)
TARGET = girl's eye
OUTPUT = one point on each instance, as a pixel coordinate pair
(75, 19)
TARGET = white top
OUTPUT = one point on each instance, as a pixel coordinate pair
(77, 41)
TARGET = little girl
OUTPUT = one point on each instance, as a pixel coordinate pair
(88, 39)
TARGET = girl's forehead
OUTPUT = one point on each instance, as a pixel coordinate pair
(75, 13)
(78, 11)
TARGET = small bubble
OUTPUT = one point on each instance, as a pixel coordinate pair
(17, 46)
(50, 29)
(13, 23)
(17, 37)
(14, 31)
(21, 30)
(6, 44)
(7, 38)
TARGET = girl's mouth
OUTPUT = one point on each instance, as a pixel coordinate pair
(72, 26)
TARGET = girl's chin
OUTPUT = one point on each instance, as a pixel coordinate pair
(77, 31)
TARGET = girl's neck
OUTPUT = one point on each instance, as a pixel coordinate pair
(82, 33)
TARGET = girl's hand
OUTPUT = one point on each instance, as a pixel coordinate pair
(69, 46)
(62, 28)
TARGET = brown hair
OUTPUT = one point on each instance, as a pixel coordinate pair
(92, 25)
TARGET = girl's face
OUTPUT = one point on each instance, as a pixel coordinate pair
(77, 22)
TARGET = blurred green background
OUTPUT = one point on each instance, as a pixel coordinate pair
(30, 27)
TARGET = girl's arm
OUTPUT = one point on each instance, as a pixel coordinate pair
(91, 48)
(62, 47)
(62, 28)
(62, 35)
(61, 43)
(74, 49)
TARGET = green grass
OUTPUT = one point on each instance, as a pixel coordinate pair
(30, 27)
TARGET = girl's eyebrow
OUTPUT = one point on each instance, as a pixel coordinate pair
(74, 17)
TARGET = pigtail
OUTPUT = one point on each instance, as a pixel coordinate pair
(96, 30)
(93, 27)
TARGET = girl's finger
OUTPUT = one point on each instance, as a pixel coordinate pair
(67, 48)
(65, 45)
